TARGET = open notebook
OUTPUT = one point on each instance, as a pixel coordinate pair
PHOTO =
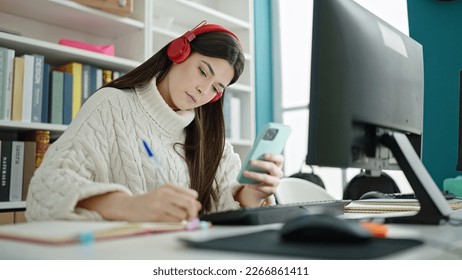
(387, 205)
(68, 232)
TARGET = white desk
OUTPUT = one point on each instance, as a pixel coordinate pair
(441, 242)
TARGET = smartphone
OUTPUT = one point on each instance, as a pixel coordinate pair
(271, 139)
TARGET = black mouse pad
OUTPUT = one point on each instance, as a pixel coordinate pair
(269, 242)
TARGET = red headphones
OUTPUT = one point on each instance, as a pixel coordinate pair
(180, 48)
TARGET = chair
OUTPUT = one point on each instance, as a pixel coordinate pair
(364, 182)
(309, 176)
(296, 190)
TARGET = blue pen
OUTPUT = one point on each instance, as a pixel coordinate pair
(155, 161)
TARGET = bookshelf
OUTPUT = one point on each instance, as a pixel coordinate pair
(36, 27)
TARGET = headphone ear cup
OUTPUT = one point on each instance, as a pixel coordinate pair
(178, 50)
(216, 97)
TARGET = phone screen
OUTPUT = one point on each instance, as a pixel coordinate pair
(271, 139)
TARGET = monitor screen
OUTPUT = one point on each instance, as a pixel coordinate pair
(366, 101)
(366, 80)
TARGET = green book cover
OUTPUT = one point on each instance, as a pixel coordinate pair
(56, 97)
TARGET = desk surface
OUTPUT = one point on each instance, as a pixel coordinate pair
(441, 242)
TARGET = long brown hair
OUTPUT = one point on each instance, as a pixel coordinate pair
(205, 136)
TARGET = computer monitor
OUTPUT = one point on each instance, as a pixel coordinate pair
(366, 99)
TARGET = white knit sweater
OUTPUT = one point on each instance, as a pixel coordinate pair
(101, 151)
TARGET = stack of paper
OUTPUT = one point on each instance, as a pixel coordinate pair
(387, 205)
(67, 232)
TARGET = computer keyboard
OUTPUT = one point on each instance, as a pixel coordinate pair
(279, 213)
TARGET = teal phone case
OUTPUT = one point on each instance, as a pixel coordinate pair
(271, 139)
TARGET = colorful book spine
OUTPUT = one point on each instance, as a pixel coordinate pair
(116, 75)
(227, 112)
(18, 92)
(93, 79)
(68, 98)
(17, 169)
(9, 83)
(86, 80)
(30, 148)
(56, 97)
(37, 88)
(75, 68)
(6, 82)
(46, 92)
(3, 54)
(99, 78)
(42, 139)
(5, 170)
(28, 84)
(107, 76)
(235, 114)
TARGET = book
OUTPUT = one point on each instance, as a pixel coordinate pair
(99, 78)
(28, 88)
(235, 117)
(37, 88)
(227, 112)
(9, 83)
(107, 76)
(3, 54)
(30, 148)
(6, 82)
(68, 98)
(18, 82)
(86, 81)
(388, 205)
(116, 75)
(46, 92)
(94, 79)
(42, 140)
(69, 232)
(5, 169)
(75, 68)
(57, 97)
(17, 170)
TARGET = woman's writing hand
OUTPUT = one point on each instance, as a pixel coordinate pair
(167, 203)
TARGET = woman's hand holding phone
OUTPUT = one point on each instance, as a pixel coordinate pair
(262, 169)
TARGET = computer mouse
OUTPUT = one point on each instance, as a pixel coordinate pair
(323, 228)
(374, 195)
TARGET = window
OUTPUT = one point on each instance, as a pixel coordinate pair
(292, 29)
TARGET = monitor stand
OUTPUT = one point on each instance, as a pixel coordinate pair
(434, 208)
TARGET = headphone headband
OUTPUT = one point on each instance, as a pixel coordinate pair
(180, 48)
(203, 27)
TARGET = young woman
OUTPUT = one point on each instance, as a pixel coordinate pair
(99, 169)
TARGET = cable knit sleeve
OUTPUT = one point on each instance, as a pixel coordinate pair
(227, 179)
(75, 167)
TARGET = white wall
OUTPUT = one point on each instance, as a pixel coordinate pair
(292, 32)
